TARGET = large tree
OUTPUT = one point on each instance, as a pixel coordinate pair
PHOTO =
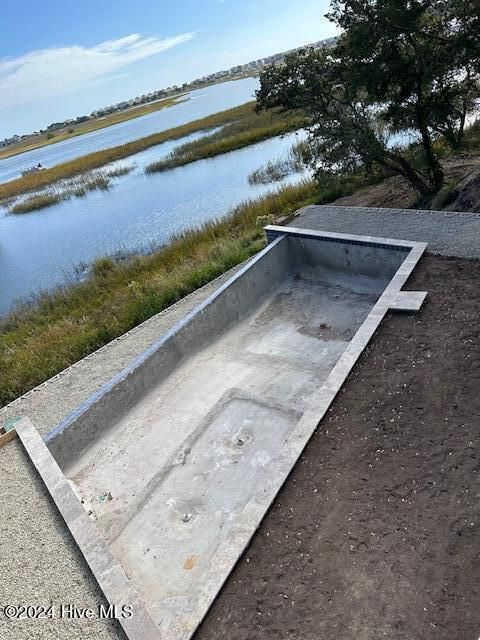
(400, 70)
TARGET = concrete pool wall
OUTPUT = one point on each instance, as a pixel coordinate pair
(178, 457)
(359, 266)
(227, 306)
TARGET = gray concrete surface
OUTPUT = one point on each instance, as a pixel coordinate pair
(180, 455)
(366, 266)
(446, 232)
(122, 392)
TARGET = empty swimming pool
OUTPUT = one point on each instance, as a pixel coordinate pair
(177, 458)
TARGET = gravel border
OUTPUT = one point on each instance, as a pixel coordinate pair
(448, 233)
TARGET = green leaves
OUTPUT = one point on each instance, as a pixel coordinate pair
(408, 66)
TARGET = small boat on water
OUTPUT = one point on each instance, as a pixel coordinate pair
(34, 169)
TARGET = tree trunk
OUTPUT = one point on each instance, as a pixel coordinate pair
(436, 171)
(401, 166)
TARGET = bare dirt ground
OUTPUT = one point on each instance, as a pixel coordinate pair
(376, 534)
(396, 192)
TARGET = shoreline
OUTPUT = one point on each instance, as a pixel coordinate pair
(95, 124)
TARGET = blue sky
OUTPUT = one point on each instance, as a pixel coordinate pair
(62, 59)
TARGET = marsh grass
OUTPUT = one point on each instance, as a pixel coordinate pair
(121, 170)
(42, 179)
(77, 187)
(39, 339)
(249, 128)
(33, 203)
(276, 170)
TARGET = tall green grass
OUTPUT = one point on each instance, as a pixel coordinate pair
(98, 159)
(39, 340)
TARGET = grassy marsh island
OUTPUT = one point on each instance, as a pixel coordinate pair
(33, 203)
(77, 187)
(246, 129)
(276, 170)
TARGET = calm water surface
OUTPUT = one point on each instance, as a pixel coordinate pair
(38, 250)
(201, 103)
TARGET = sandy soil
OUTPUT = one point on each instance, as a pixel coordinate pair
(376, 534)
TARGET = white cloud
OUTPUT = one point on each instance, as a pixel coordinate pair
(47, 73)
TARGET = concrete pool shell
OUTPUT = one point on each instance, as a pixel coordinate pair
(178, 458)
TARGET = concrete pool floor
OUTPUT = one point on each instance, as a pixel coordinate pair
(174, 473)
